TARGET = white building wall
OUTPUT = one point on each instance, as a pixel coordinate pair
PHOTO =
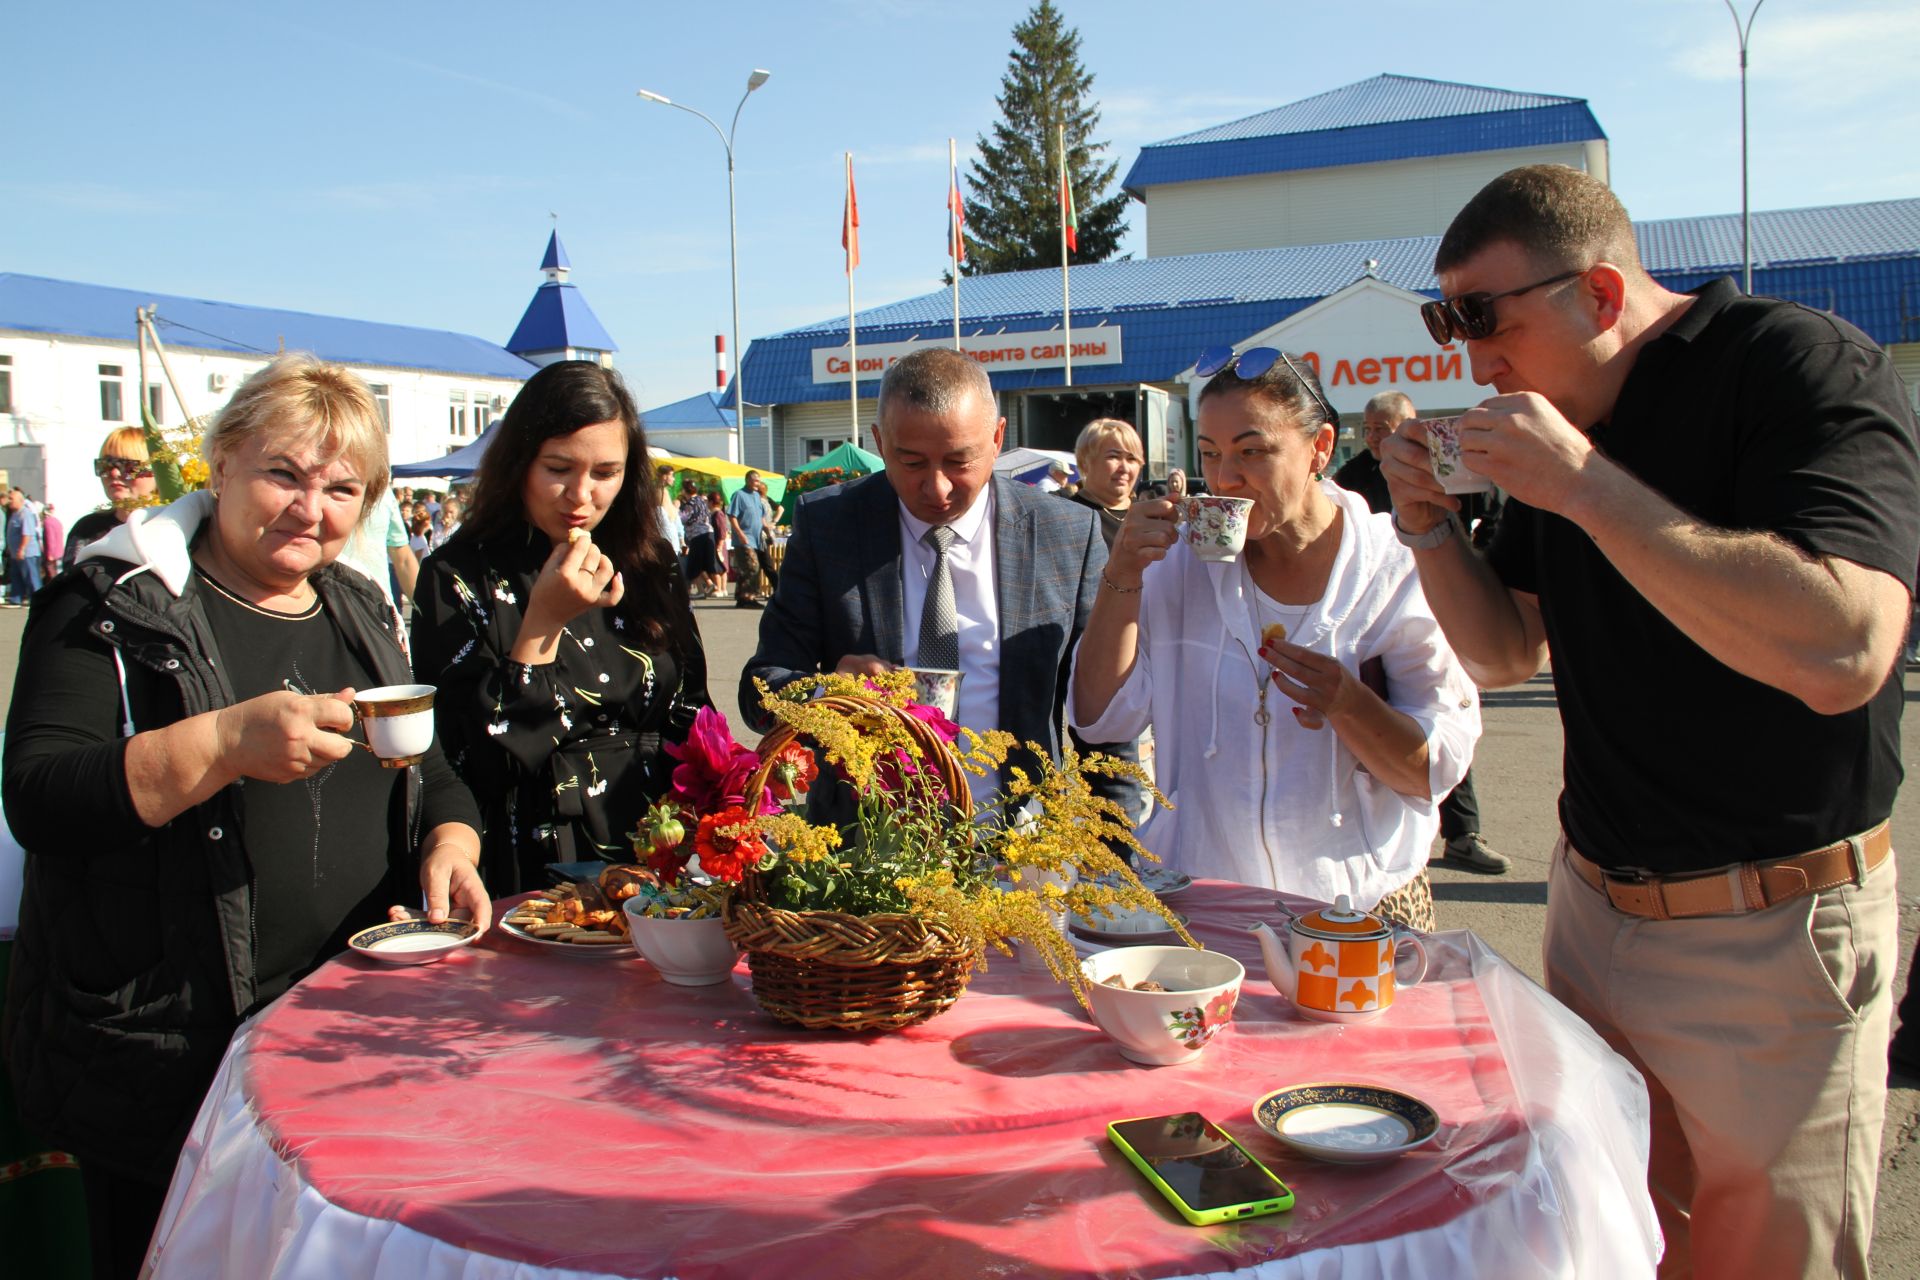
(1330, 206)
(1906, 360)
(57, 403)
(824, 420)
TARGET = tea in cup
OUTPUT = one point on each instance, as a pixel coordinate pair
(1449, 467)
(1216, 526)
(937, 687)
(398, 719)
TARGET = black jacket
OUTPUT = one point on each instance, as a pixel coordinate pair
(134, 961)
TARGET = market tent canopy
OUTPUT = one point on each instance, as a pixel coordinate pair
(847, 456)
(458, 465)
(464, 461)
(1032, 465)
(732, 475)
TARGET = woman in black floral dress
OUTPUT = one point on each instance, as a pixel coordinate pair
(557, 627)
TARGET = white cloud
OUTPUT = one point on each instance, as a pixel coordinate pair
(104, 197)
(1129, 120)
(1840, 53)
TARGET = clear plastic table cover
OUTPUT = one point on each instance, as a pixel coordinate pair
(504, 1113)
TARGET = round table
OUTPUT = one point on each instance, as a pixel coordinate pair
(513, 1112)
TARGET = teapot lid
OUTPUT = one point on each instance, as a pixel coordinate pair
(1341, 920)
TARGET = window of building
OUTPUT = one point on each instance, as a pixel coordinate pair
(482, 412)
(154, 402)
(383, 399)
(111, 408)
(821, 446)
(6, 384)
(457, 413)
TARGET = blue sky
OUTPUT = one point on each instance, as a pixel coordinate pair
(400, 161)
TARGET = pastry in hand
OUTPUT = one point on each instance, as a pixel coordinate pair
(1272, 633)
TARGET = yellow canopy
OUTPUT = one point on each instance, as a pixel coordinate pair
(732, 475)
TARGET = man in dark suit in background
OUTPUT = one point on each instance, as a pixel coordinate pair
(937, 563)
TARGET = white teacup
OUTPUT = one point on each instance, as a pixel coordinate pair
(1216, 526)
(1449, 466)
(399, 722)
(939, 688)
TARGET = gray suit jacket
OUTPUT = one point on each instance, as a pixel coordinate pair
(841, 592)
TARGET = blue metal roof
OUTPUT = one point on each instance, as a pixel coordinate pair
(556, 259)
(558, 318)
(35, 304)
(1385, 118)
(704, 410)
(1861, 261)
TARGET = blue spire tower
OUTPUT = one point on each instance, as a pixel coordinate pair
(558, 324)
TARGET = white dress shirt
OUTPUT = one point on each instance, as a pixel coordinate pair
(975, 604)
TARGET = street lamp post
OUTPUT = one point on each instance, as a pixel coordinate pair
(1746, 220)
(754, 81)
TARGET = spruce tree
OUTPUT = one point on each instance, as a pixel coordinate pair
(1013, 209)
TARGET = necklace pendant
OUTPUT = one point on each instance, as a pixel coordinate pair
(1262, 716)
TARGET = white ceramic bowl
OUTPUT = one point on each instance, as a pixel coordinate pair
(687, 953)
(1161, 1028)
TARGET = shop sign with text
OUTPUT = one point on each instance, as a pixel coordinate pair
(1046, 349)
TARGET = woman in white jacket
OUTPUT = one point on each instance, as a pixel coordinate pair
(1310, 764)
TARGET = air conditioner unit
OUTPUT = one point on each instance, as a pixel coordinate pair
(499, 403)
(216, 382)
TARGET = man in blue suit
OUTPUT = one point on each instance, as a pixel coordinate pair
(937, 563)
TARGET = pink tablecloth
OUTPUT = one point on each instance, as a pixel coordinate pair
(513, 1112)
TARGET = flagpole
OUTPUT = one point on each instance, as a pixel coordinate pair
(1066, 294)
(853, 341)
(953, 233)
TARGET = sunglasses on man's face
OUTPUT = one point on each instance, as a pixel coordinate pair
(1471, 316)
(129, 468)
(1253, 362)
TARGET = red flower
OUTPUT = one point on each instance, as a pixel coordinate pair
(792, 775)
(728, 845)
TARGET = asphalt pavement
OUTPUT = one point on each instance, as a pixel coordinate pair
(1517, 773)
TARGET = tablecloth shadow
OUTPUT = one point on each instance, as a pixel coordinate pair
(1031, 1051)
(714, 1045)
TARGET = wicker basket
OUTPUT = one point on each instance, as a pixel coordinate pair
(827, 970)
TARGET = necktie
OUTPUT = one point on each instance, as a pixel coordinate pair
(939, 627)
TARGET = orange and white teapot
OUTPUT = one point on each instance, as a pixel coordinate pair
(1339, 964)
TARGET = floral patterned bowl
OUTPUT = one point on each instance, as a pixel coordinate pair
(1161, 1028)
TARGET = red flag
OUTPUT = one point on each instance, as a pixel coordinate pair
(850, 224)
(956, 219)
(1068, 218)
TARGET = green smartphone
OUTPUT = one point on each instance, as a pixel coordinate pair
(1200, 1168)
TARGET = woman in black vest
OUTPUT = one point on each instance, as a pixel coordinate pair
(199, 831)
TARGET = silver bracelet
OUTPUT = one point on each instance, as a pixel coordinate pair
(1430, 539)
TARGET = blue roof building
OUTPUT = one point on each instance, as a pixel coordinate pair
(1385, 118)
(558, 323)
(63, 308)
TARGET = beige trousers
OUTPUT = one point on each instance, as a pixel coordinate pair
(1763, 1040)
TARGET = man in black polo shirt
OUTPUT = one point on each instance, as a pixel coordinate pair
(1712, 524)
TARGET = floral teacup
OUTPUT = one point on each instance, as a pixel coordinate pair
(1216, 525)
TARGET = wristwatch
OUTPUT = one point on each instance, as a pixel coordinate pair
(1431, 538)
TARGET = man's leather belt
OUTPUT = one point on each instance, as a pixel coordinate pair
(1746, 886)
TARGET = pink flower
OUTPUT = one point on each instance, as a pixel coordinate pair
(713, 769)
(947, 729)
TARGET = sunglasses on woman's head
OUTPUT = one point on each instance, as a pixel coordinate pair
(1470, 315)
(1253, 362)
(130, 468)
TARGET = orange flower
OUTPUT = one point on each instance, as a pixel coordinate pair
(729, 844)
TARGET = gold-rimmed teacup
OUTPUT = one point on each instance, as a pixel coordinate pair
(398, 719)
